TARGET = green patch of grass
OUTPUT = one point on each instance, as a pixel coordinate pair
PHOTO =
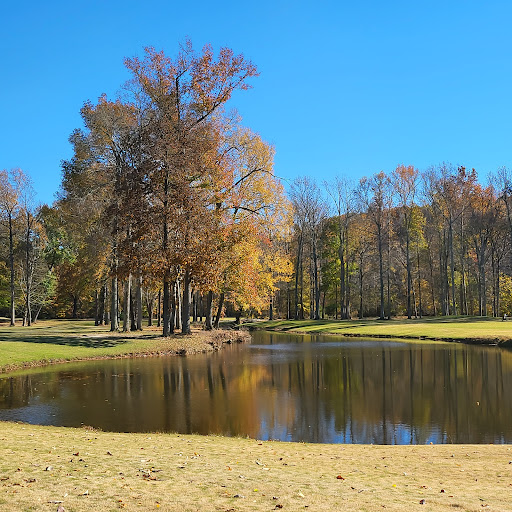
(479, 330)
(63, 340)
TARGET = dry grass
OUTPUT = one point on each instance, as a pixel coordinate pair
(44, 467)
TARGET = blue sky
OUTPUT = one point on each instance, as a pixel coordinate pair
(348, 88)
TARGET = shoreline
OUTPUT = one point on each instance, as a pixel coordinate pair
(315, 329)
(199, 342)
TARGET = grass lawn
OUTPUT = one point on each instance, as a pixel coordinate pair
(42, 468)
(51, 341)
(82, 470)
(478, 330)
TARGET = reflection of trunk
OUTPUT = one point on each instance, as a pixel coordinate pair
(185, 315)
(219, 311)
(208, 315)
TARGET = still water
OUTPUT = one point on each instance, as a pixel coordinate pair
(291, 388)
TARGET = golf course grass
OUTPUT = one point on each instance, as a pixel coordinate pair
(490, 331)
(42, 468)
(53, 341)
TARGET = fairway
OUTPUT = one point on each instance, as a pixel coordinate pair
(462, 329)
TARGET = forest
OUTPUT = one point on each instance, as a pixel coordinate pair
(169, 212)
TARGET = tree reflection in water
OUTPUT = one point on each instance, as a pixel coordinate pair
(297, 388)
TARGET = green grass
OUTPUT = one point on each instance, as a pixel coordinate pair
(469, 329)
(64, 340)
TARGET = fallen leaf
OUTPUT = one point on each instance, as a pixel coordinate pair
(339, 477)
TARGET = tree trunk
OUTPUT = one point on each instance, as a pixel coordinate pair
(11, 267)
(138, 302)
(297, 276)
(126, 304)
(361, 312)
(381, 272)
(74, 314)
(27, 273)
(208, 315)
(96, 307)
(194, 307)
(315, 278)
(114, 317)
(185, 315)
(452, 265)
(219, 311)
(177, 305)
(101, 309)
(409, 273)
(166, 306)
(159, 309)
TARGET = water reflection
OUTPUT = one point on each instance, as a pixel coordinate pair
(296, 388)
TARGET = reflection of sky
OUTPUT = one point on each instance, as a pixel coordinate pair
(36, 414)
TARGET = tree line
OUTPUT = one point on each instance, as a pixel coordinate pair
(407, 243)
(169, 209)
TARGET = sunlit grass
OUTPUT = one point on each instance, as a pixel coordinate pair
(84, 470)
(438, 328)
(64, 340)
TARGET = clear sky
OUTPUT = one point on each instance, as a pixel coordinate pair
(345, 87)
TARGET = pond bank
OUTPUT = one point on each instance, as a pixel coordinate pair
(60, 341)
(42, 468)
(469, 330)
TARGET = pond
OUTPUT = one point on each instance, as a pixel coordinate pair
(286, 387)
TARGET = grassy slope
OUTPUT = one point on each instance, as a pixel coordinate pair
(449, 328)
(61, 340)
(89, 470)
